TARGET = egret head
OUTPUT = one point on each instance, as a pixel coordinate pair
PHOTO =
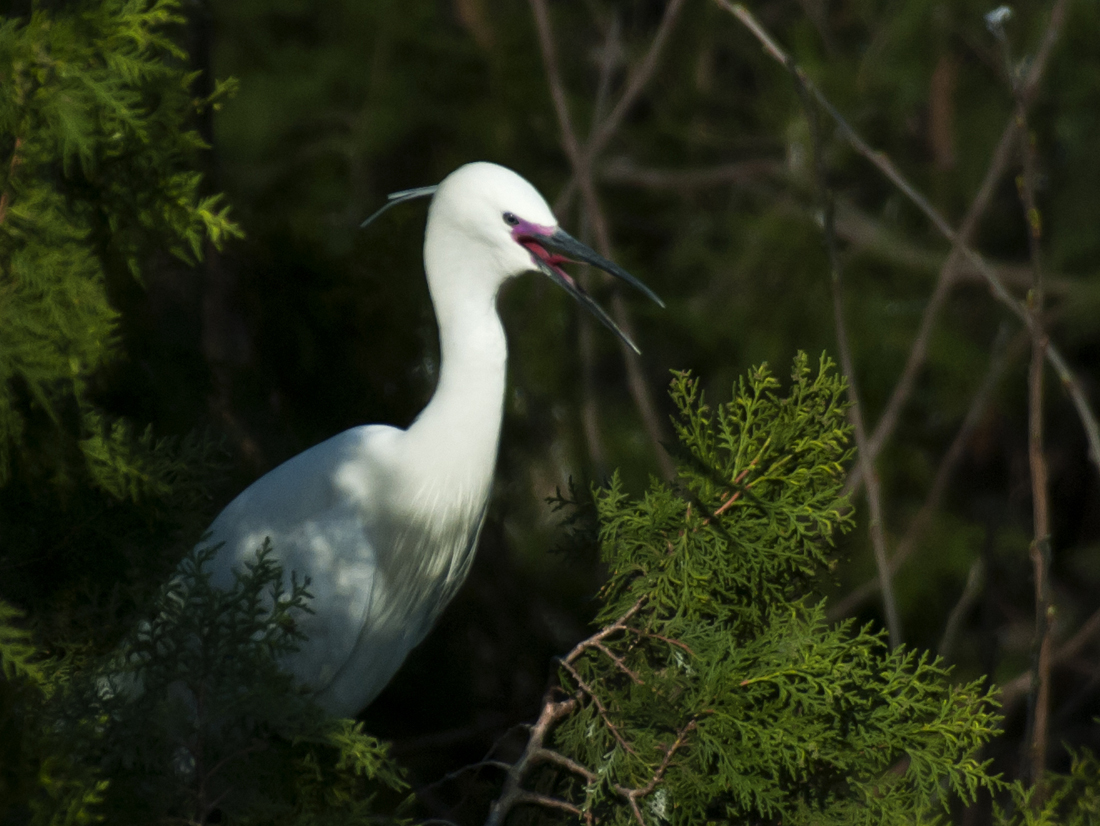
(487, 216)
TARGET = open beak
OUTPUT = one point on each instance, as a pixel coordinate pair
(550, 247)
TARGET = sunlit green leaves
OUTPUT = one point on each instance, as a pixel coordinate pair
(97, 156)
(725, 688)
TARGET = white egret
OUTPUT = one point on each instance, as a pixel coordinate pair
(384, 521)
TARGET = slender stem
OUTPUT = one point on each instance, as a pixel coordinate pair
(1016, 688)
(635, 84)
(847, 365)
(887, 423)
(1040, 496)
(513, 793)
(882, 162)
(975, 579)
(5, 197)
(1002, 357)
(581, 159)
(586, 344)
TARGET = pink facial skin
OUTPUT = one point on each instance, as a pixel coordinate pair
(528, 234)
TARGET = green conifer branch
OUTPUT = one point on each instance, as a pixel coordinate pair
(99, 145)
(714, 687)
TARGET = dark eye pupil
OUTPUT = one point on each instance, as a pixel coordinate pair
(510, 219)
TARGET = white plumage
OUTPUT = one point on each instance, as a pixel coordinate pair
(385, 521)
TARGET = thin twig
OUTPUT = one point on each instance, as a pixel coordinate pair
(847, 365)
(12, 166)
(600, 707)
(882, 162)
(618, 625)
(975, 578)
(622, 666)
(632, 795)
(536, 799)
(625, 173)
(918, 352)
(535, 752)
(737, 493)
(1012, 691)
(551, 756)
(862, 231)
(513, 793)
(1002, 156)
(1001, 359)
(586, 343)
(635, 84)
(581, 159)
(1040, 496)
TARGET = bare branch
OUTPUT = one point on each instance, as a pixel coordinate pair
(883, 163)
(533, 798)
(598, 703)
(551, 756)
(1001, 359)
(975, 578)
(581, 160)
(513, 793)
(847, 365)
(1017, 688)
(635, 84)
(1040, 496)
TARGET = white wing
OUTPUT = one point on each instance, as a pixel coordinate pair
(320, 510)
(383, 556)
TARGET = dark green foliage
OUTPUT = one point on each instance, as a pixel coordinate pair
(1072, 799)
(716, 690)
(192, 714)
(97, 171)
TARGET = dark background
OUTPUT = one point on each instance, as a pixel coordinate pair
(310, 326)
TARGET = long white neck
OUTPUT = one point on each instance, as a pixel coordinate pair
(458, 432)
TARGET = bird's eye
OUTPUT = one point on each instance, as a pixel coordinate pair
(510, 219)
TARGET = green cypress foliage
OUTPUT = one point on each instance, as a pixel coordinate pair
(97, 171)
(715, 690)
(193, 715)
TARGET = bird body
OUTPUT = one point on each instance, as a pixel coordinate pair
(383, 521)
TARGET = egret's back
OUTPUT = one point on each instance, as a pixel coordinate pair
(341, 513)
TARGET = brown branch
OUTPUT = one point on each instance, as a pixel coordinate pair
(604, 633)
(668, 640)
(918, 352)
(551, 756)
(635, 84)
(975, 579)
(513, 793)
(859, 229)
(536, 799)
(600, 707)
(5, 197)
(1019, 686)
(740, 478)
(1040, 495)
(535, 751)
(622, 666)
(1002, 156)
(586, 343)
(883, 163)
(581, 159)
(847, 365)
(1001, 359)
(632, 795)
